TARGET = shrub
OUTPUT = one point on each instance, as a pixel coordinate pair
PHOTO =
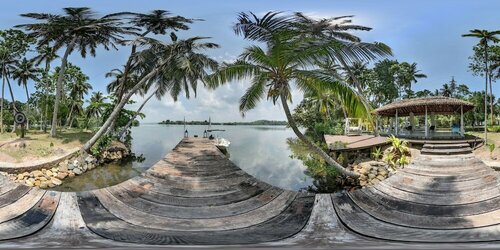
(377, 153)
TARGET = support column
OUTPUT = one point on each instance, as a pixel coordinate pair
(397, 122)
(376, 125)
(462, 130)
(412, 121)
(426, 123)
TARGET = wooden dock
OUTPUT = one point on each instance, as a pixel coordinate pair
(355, 142)
(196, 196)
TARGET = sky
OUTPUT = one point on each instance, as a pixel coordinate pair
(427, 32)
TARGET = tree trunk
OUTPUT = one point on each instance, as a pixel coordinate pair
(60, 79)
(491, 102)
(45, 115)
(1, 101)
(27, 105)
(486, 93)
(116, 111)
(129, 123)
(68, 125)
(310, 144)
(14, 108)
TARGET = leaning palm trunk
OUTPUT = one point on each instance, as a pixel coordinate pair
(311, 145)
(116, 111)
(129, 123)
(486, 93)
(68, 123)
(60, 79)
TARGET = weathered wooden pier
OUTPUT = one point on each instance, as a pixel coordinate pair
(196, 196)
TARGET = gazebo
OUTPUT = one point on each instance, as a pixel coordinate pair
(427, 107)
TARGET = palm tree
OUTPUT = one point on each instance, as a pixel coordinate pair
(446, 90)
(45, 54)
(156, 64)
(77, 28)
(79, 88)
(95, 108)
(485, 37)
(189, 68)
(294, 44)
(23, 72)
(414, 74)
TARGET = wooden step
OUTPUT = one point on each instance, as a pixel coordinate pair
(447, 145)
(446, 151)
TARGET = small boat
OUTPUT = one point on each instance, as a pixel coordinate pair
(221, 143)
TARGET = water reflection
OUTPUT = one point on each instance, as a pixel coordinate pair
(261, 151)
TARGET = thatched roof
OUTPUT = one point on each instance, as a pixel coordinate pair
(437, 104)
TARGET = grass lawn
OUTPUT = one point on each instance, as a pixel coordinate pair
(37, 145)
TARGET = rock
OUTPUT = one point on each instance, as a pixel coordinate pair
(77, 171)
(374, 181)
(37, 173)
(380, 177)
(48, 173)
(371, 176)
(383, 172)
(71, 174)
(20, 177)
(44, 184)
(37, 183)
(29, 183)
(84, 167)
(22, 144)
(54, 169)
(90, 159)
(56, 181)
(63, 166)
(90, 166)
(43, 178)
(62, 175)
(75, 163)
(71, 166)
(363, 183)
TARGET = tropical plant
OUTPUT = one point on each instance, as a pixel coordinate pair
(491, 148)
(398, 152)
(77, 29)
(160, 65)
(45, 54)
(24, 71)
(293, 44)
(484, 38)
(377, 153)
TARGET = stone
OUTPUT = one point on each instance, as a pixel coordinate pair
(44, 184)
(48, 173)
(29, 183)
(37, 182)
(371, 176)
(380, 177)
(374, 181)
(75, 163)
(43, 178)
(90, 166)
(90, 159)
(363, 183)
(37, 173)
(77, 171)
(62, 175)
(56, 181)
(84, 167)
(20, 177)
(383, 172)
(71, 174)
(54, 169)
(22, 144)
(71, 166)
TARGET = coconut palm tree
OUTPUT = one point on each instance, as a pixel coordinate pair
(293, 45)
(23, 72)
(77, 29)
(6, 65)
(414, 74)
(78, 90)
(95, 108)
(485, 37)
(156, 64)
(45, 54)
(189, 68)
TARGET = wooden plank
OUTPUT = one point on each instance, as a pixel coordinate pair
(13, 195)
(362, 223)
(22, 205)
(428, 209)
(286, 224)
(394, 216)
(33, 220)
(183, 212)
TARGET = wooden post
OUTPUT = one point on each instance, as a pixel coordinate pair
(426, 124)
(462, 130)
(396, 122)
(376, 125)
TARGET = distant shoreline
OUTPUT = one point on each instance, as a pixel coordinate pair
(259, 122)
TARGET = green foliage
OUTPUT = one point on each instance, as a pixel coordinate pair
(377, 153)
(491, 148)
(398, 152)
(101, 145)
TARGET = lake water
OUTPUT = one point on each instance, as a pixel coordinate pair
(261, 151)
